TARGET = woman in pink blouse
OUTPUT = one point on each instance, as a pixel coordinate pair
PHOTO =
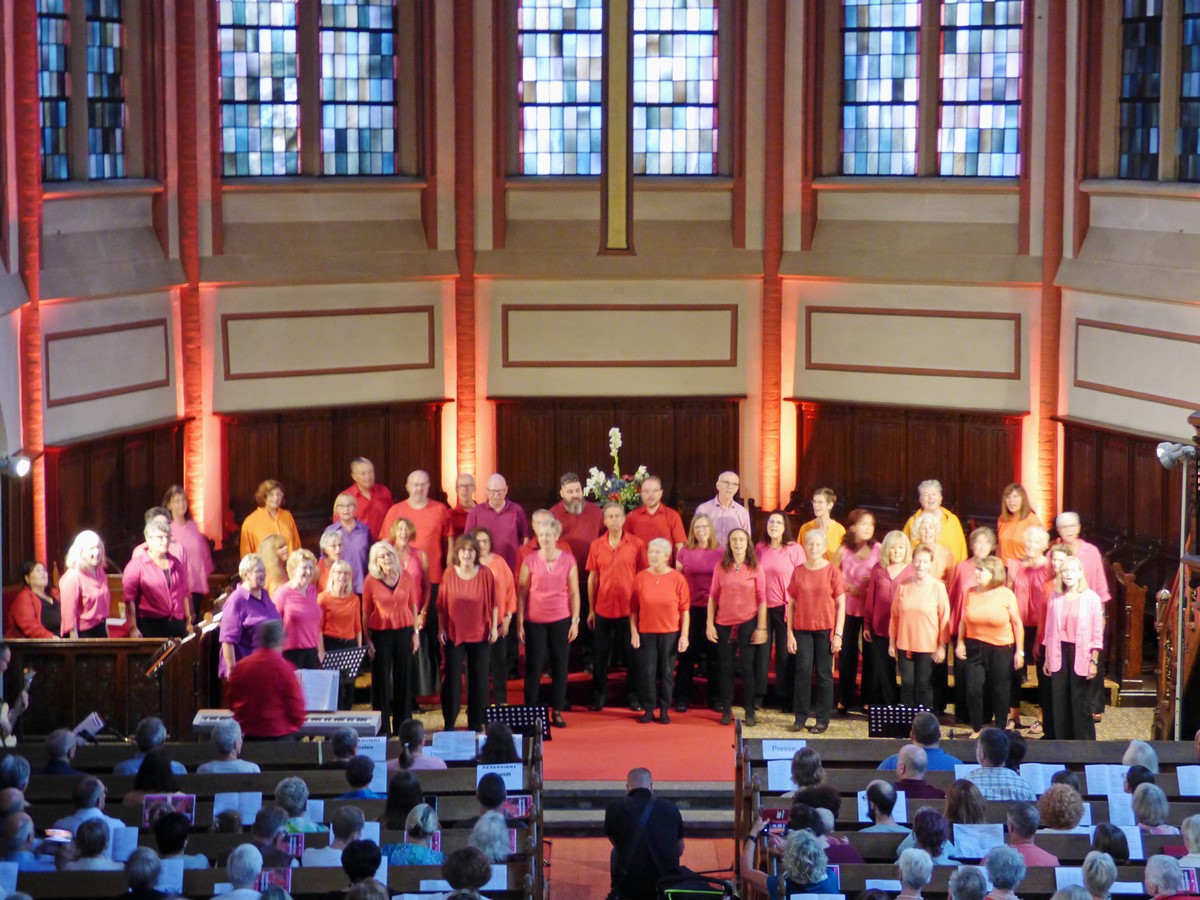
(296, 600)
(84, 589)
(778, 556)
(1028, 575)
(1071, 635)
(195, 545)
(894, 567)
(548, 615)
(737, 614)
(856, 557)
(696, 560)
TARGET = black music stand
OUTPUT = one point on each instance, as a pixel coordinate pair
(349, 661)
(159, 661)
(521, 719)
(892, 721)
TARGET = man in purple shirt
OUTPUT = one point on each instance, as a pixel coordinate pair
(1068, 527)
(725, 512)
(503, 518)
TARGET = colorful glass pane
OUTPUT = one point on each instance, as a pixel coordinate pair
(105, 90)
(1141, 76)
(53, 87)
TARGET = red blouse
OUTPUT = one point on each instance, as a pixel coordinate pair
(465, 605)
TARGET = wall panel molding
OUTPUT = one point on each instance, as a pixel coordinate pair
(1136, 364)
(131, 343)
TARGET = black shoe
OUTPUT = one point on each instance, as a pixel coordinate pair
(820, 728)
(596, 706)
(842, 712)
(681, 707)
(796, 726)
(647, 716)
(558, 721)
(636, 706)
(751, 721)
(726, 717)
(664, 717)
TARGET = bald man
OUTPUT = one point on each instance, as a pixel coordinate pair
(372, 500)
(504, 519)
(646, 844)
(725, 512)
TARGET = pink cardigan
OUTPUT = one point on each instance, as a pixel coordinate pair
(1089, 633)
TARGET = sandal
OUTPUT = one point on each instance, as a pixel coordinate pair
(1015, 724)
(1035, 730)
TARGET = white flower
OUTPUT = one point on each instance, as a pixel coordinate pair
(614, 440)
(640, 474)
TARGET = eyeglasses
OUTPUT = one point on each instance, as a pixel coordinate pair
(729, 483)
(502, 490)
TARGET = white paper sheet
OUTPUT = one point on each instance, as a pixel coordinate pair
(320, 688)
(8, 878)
(170, 880)
(373, 748)
(1039, 775)
(453, 745)
(510, 772)
(1065, 876)
(1133, 836)
(246, 803)
(1120, 809)
(779, 775)
(124, 842)
(1105, 779)
(1189, 780)
(1129, 887)
(962, 770)
(882, 884)
(1087, 814)
(899, 811)
(782, 749)
(370, 832)
(379, 779)
(975, 841)
(221, 887)
(315, 810)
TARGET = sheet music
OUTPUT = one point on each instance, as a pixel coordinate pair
(1133, 836)
(1039, 775)
(170, 880)
(1105, 779)
(373, 748)
(1087, 814)
(1189, 780)
(316, 810)
(510, 772)
(779, 775)
(320, 688)
(976, 841)
(245, 803)
(8, 878)
(124, 842)
(777, 749)
(1120, 809)
(892, 886)
(453, 746)
(379, 779)
(962, 770)
(899, 812)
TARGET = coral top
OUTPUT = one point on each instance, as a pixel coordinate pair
(815, 591)
(198, 554)
(341, 617)
(392, 608)
(697, 566)
(465, 605)
(737, 594)
(614, 570)
(920, 621)
(778, 564)
(659, 601)
(506, 588)
(1011, 533)
(857, 575)
(432, 522)
(549, 598)
(23, 616)
(1028, 583)
(961, 581)
(992, 617)
(85, 599)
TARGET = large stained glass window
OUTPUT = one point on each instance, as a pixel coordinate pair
(981, 88)
(260, 103)
(880, 86)
(105, 92)
(1141, 73)
(558, 92)
(1189, 95)
(358, 87)
(53, 82)
(675, 87)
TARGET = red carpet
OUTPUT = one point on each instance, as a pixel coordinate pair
(579, 866)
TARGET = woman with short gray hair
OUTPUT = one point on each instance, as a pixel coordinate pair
(291, 795)
(968, 883)
(1151, 810)
(490, 836)
(804, 868)
(245, 609)
(1099, 873)
(158, 603)
(659, 624)
(916, 871)
(244, 865)
(1006, 869)
(142, 871)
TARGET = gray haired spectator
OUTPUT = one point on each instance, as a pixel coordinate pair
(1072, 892)
(1139, 753)
(60, 751)
(1006, 869)
(227, 741)
(291, 795)
(1190, 829)
(244, 866)
(142, 871)
(916, 871)
(1023, 822)
(1099, 873)
(1163, 876)
(11, 801)
(150, 734)
(87, 850)
(345, 747)
(490, 837)
(1151, 809)
(968, 883)
(14, 772)
(88, 795)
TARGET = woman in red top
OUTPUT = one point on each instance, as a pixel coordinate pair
(659, 619)
(894, 568)
(816, 615)
(696, 560)
(989, 624)
(341, 620)
(506, 608)
(467, 624)
(737, 614)
(919, 629)
(34, 612)
(391, 599)
(1028, 576)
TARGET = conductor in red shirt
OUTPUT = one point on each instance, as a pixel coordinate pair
(263, 691)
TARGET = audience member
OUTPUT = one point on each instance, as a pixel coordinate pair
(345, 747)
(1151, 810)
(347, 825)
(404, 792)
(1017, 748)
(142, 872)
(466, 870)
(994, 780)
(820, 822)
(1060, 808)
(806, 770)
(1099, 873)
(227, 742)
(90, 850)
(244, 866)
(154, 776)
(171, 834)
(916, 871)
(804, 868)
(1072, 892)
(149, 734)
(499, 747)
(1069, 778)
(965, 804)
(412, 749)
(14, 772)
(360, 772)
(647, 837)
(911, 764)
(968, 883)
(263, 691)
(269, 836)
(931, 833)
(1190, 829)
(1110, 839)
(491, 794)
(419, 827)
(291, 795)
(881, 802)
(88, 796)
(1005, 869)
(1164, 878)
(11, 801)
(360, 861)
(16, 840)
(1136, 775)
(1023, 821)
(1139, 753)
(491, 836)
(926, 733)
(60, 752)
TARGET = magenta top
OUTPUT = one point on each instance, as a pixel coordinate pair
(777, 565)
(1073, 619)
(301, 616)
(154, 592)
(85, 599)
(198, 557)
(737, 594)
(857, 575)
(881, 590)
(1027, 584)
(698, 565)
(549, 597)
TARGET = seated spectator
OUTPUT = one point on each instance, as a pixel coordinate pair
(142, 872)
(227, 741)
(1151, 809)
(491, 794)
(227, 821)
(499, 747)
(370, 889)
(821, 796)
(1069, 778)
(1060, 809)
(150, 734)
(926, 733)
(171, 834)
(1164, 877)
(1023, 821)
(269, 836)
(404, 792)
(345, 747)
(837, 850)
(968, 883)
(347, 824)
(994, 780)
(360, 772)
(931, 833)
(964, 804)
(1110, 839)
(154, 776)
(1139, 753)
(1099, 873)
(291, 795)
(418, 829)
(1005, 869)
(89, 850)
(1072, 892)
(1136, 775)
(360, 862)
(916, 871)
(491, 837)
(911, 764)
(14, 772)
(876, 894)
(16, 845)
(1190, 829)
(803, 868)
(806, 770)
(88, 796)
(466, 870)
(11, 801)
(881, 802)
(60, 751)
(412, 749)
(244, 866)
(1017, 748)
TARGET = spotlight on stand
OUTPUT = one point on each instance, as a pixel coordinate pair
(1170, 454)
(15, 466)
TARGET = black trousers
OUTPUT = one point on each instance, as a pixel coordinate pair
(848, 694)
(656, 662)
(162, 628)
(392, 676)
(699, 654)
(879, 689)
(542, 640)
(498, 653)
(785, 663)
(346, 686)
(610, 635)
(989, 682)
(1071, 701)
(427, 665)
(813, 653)
(916, 674)
(96, 631)
(477, 655)
(729, 638)
(1018, 675)
(303, 657)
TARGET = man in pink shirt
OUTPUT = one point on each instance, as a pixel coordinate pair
(653, 520)
(1068, 527)
(1023, 822)
(372, 500)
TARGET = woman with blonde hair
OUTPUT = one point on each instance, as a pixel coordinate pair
(988, 629)
(84, 589)
(391, 601)
(341, 621)
(420, 826)
(696, 560)
(296, 600)
(892, 570)
(1071, 635)
(920, 628)
(274, 553)
(245, 609)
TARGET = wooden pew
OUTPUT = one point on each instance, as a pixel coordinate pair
(1038, 883)
(1069, 848)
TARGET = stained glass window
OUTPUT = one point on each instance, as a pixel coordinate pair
(558, 94)
(105, 92)
(260, 104)
(880, 86)
(981, 88)
(53, 82)
(1141, 72)
(675, 87)
(1189, 97)
(358, 87)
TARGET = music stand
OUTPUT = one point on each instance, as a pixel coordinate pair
(892, 721)
(349, 661)
(522, 719)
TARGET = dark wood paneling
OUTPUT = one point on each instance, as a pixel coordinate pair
(1113, 472)
(988, 446)
(879, 447)
(686, 442)
(16, 495)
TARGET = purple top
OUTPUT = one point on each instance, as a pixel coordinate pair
(242, 615)
(301, 616)
(197, 556)
(778, 564)
(509, 528)
(857, 575)
(697, 567)
(357, 549)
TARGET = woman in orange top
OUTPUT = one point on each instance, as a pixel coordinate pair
(659, 620)
(815, 616)
(341, 619)
(987, 641)
(506, 608)
(269, 518)
(1016, 515)
(391, 600)
(919, 629)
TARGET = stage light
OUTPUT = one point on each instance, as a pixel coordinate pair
(1170, 454)
(15, 466)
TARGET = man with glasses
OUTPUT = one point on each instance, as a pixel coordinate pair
(504, 519)
(654, 520)
(725, 512)
(372, 500)
(464, 489)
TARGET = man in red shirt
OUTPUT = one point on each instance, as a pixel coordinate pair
(262, 690)
(612, 563)
(464, 489)
(653, 520)
(582, 523)
(372, 500)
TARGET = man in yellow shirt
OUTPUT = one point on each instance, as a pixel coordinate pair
(822, 505)
(952, 538)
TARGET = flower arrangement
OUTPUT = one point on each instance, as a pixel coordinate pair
(615, 488)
